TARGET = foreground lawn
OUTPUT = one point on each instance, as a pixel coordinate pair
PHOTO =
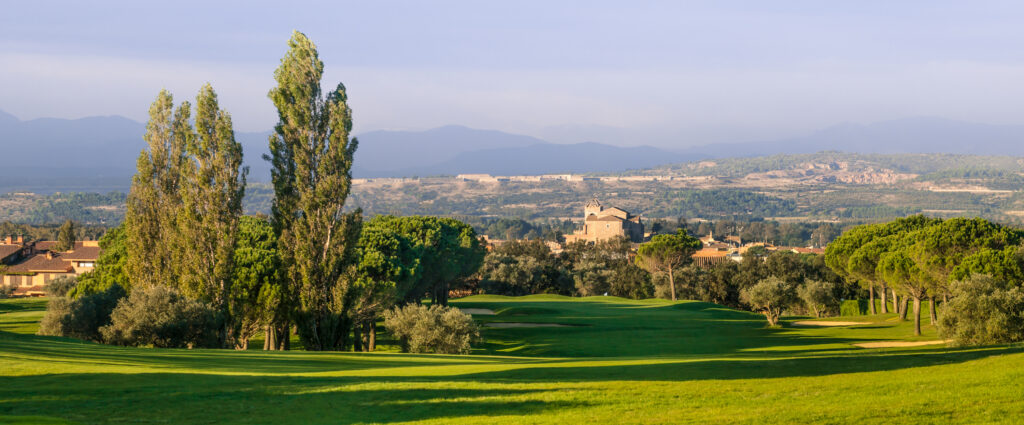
(615, 361)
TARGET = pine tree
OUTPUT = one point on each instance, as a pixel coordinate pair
(311, 158)
(211, 190)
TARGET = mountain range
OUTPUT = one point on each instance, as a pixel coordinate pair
(99, 153)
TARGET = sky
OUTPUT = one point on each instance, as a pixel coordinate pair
(670, 74)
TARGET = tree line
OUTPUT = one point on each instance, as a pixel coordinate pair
(186, 268)
(958, 263)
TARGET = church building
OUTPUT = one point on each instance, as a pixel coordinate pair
(600, 223)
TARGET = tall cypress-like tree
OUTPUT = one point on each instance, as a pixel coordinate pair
(311, 158)
(154, 201)
(66, 237)
(212, 187)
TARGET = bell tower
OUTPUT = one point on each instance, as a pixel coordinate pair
(592, 207)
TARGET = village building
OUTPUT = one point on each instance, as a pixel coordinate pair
(600, 223)
(29, 266)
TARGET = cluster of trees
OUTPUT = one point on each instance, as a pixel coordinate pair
(52, 231)
(529, 267)
(782, 234)
(919, 258)
(662, 269)
(82, 207)
(724, 203)
(187, 269)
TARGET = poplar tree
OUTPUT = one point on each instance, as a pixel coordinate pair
(311, 159)
(211, 192)
(154, 201)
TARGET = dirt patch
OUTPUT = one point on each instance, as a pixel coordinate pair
(893, 344)
(813, 323)
(478, 311)
(524, 325)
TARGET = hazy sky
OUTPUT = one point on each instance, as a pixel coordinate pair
(670, 73)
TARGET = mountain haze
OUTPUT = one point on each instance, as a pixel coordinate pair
(909, 135)
(99, 153)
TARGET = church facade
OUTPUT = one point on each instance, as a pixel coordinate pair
(600, 223)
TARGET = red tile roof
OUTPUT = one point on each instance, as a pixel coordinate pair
(39, 263)
(82, 253)
(8, 250)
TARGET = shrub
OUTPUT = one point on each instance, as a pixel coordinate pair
(162, 317)
(770, 296)
(433, 329)
(6, 291)
(819, 296)
(983, 311)
(853, 308)
(80, 317)
(60, 286)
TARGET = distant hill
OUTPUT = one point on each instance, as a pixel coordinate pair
(910, 135)
(94, 153)
(455, 149)
(99, 153)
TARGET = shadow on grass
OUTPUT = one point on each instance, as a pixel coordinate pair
(854, 361)
(57, 350)
(199, 398)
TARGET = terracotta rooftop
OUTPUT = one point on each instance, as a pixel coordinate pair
(8, 250)
(710, 252)
(83, 252)
(39, 263)
(45, 245)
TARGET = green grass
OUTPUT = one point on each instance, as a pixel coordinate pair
(623, 361)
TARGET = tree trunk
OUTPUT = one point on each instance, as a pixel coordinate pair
(372, 344)
(357, 339)
(269, 342)
(871, 300)
(917, 316)
(903, 307)
(885, 300)
(933, 317)
(284, 337)
(895, 302)
(672, 285)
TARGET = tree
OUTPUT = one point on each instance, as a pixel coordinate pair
(154, 200)
(665, 253)
(771, 296)
(941, 248)
(982, 311)
(311, 158)
(110, 266)
(258, 298)
(434, 329)
(819, 296)
(388, 266)
(65, 237)
(212, 187)
(899, 269)
(161, 317)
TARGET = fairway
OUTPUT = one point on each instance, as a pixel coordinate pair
(613, 361)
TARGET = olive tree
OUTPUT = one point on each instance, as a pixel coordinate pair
(983, 310)
(819, 296)
(434, 329)
(770, 296)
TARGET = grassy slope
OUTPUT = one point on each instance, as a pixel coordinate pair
(630, 361)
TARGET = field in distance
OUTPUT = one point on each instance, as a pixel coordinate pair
(612, 361)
